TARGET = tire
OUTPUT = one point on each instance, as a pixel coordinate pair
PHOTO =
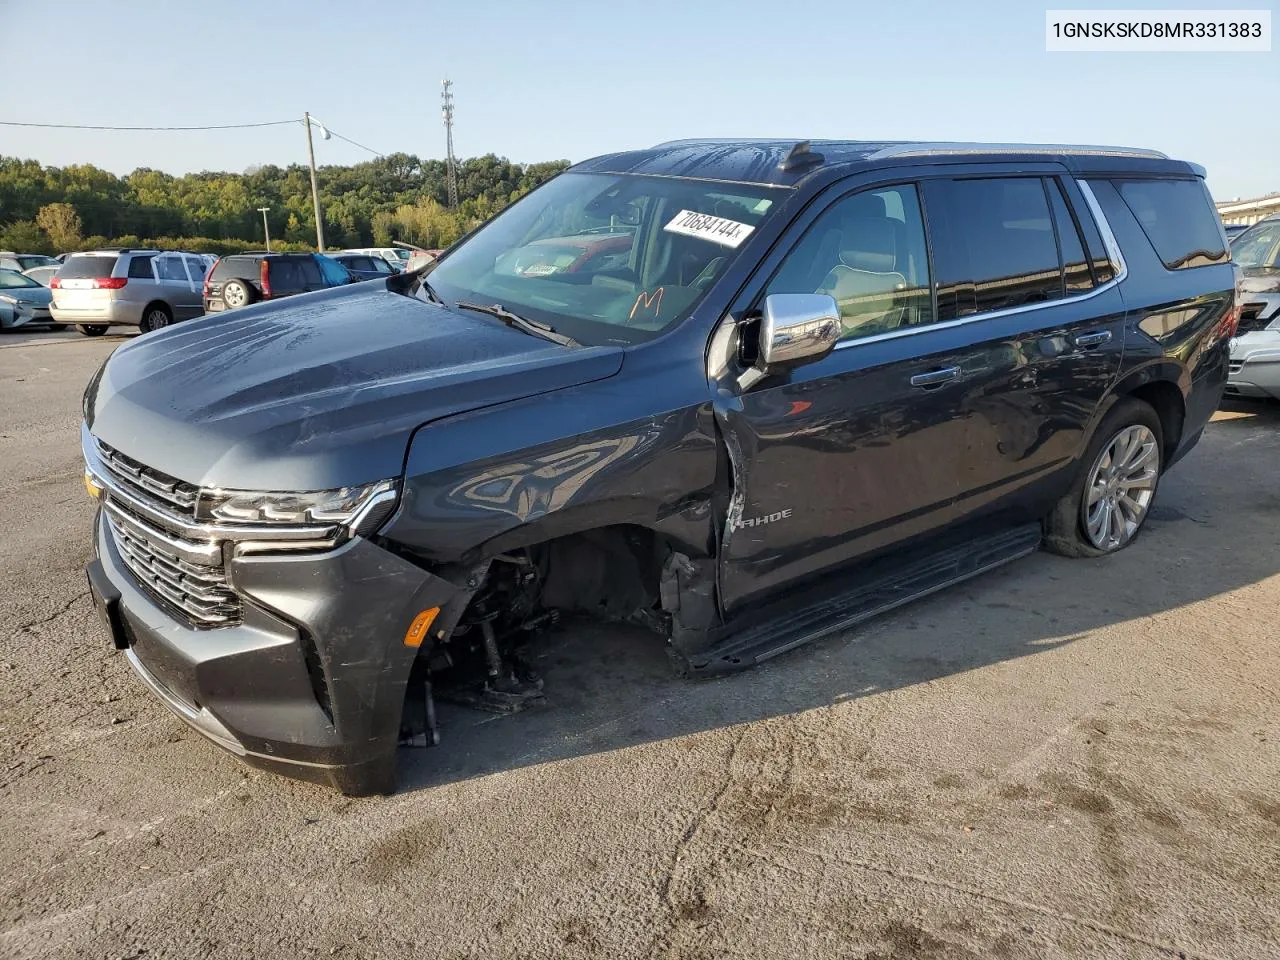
(237, 293)
(1110, 500)
(156, 317)
(57, 327)
(92, 329)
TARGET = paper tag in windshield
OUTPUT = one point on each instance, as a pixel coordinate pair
(727, 233)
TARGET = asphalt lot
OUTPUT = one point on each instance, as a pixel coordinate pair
(1061, 759)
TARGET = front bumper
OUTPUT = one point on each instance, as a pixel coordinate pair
(312, 682)
(22, 314)
(1255, 365)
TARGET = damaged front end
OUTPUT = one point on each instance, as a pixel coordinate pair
(619, 575)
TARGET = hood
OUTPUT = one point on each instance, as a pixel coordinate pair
(317, 391)
(40, 296)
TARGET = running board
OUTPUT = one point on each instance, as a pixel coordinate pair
(904, 582)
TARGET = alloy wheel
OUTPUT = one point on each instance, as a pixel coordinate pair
(1121, 486)
(157, 319)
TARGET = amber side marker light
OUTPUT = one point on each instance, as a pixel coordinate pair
(91, 485)
(418, 629)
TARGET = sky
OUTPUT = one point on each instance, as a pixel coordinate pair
(569, 80)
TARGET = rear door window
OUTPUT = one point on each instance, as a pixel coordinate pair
(1178, 218)
(140, 268)
(169, 267)
(1075, 263)
(993, 244)
(82, 268)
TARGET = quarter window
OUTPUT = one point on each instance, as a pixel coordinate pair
(868, 252)
(993, 245)
(1178, 218)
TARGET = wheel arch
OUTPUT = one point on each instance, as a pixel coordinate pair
(1164, 385)
(153, 304)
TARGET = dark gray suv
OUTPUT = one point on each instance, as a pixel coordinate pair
(742, 393)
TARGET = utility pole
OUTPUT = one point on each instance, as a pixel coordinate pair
(266, 231)
(446, 99)
(315, 190)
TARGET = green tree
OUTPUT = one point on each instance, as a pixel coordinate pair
(62, 224)
(23, 236)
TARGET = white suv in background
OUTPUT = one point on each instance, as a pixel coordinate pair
(147, 289)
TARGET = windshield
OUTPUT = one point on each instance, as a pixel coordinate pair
(1259, 246)
(12, 280)
(402, 254)
(607, 258)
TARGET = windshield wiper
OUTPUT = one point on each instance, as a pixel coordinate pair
(531, 327)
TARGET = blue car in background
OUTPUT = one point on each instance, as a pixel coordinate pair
(24, 302)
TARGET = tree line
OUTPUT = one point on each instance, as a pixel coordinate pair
(45, 209)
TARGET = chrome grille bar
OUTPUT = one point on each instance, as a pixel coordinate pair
(147, 481)
(202, 598)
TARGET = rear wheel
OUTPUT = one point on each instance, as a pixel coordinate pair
(1108, 504)
(92, 329)
(155, 317)
(236, 293)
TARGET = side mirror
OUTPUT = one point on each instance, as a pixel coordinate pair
(797, 328)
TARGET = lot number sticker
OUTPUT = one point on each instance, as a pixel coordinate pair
(727, 233)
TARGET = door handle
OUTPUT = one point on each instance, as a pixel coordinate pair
(935, 378)
(1095, 338)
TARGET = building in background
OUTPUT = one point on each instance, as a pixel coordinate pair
(1248, 211)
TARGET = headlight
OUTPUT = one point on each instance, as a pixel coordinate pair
(361, 510)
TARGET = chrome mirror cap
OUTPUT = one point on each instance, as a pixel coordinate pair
(797, 328)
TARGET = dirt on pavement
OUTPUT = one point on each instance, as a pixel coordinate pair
(1060, 759)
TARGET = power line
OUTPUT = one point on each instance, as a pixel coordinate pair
(353, 143)
(83, 126)
(217, 126)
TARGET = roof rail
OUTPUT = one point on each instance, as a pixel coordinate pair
(926, 149)
(688, 142)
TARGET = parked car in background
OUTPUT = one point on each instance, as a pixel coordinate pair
(148, 289)
(42, 275)
(24, 302)
(245, 278)
(1255, 351)
(830, 378)
(396, 256)
(23, 261)
(364, 266)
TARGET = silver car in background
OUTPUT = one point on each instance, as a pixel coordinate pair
(1255, 350)
(148, 289)
(23, 302)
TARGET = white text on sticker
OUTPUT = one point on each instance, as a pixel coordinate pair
(728, 233)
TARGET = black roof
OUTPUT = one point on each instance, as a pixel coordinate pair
(785, 163)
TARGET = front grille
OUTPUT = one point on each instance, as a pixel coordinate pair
(1251, 318)
(200, 594)
(147, 512)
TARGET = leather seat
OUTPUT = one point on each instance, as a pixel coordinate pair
(866, 283)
